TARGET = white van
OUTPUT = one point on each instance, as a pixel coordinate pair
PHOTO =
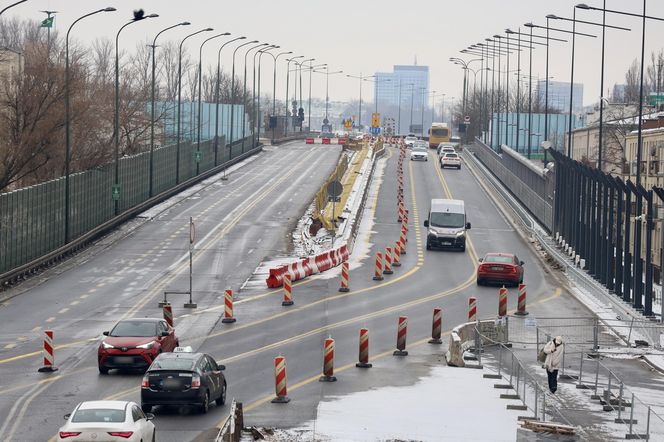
(446, 224)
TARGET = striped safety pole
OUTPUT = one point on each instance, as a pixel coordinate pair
(49, 358)
(436, 327)
(397, 254)
(280, 381)
(472, 309)
(364, 349)
(168, 314)
(502, 301)
(228, 307)
(400, 212)
(378, 275)
(388, 261)
(402, 330)
(328, 362)
(521, 309)
(344, 277)
(404, 228)
(288, 290)
(402, 241)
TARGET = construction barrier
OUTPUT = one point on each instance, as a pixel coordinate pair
(436, 327)
(397, 254)
(308, 266)
(521, 308)
(402, 241)
(472, 309)
(49, 357)
(344, 277)
(288, 291)
(502, 301)
(378, 275)
(326, 140)
(388, 261)
(364, 349)
(328, 362)
(168, 314)
(280, 381)
(402, 331)
(228, 307)
(463, 338)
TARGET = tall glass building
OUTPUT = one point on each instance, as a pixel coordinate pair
(404, 95)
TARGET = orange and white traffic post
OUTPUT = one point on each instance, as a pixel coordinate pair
(288, 291)
(388, 261)
(168, 314)
(378, 275)
(396, 258)
(228, 307)
(521, 308)
(345, 271)
(280, 381)
(402, 241)
(364, 349)
(49, 357)
(502, 301)
(436, 327)
(472, 309)
(328, 362)
(402, 331)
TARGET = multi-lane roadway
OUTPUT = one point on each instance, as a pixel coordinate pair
(240, 223)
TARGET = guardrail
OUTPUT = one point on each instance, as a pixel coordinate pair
(231, 431)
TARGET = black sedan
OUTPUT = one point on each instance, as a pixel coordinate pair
(183, 378)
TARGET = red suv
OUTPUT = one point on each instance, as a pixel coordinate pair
(501, 268)
(135, 343)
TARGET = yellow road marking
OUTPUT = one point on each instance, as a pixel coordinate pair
(37, 328)
(63, 310)
(10, 346)
(74, 302)
(51, 319)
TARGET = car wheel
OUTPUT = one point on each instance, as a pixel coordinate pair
(221, 400)
(205, 406)
(103, 370)
(146, 408)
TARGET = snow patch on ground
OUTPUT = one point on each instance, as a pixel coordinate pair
(443, 406)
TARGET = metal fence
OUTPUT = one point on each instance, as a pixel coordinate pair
(32, 219)
(531, 185)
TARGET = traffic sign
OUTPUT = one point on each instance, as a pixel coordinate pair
(334, 189)
(466, 119)
(115, 191)
(375, 119)
(375, 130)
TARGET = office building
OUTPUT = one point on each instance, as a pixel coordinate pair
(410, 85)
(559, 95)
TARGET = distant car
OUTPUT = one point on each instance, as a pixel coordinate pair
(107, 421)
(445, 148)
(135, 343)
(456, 140)
(183, 378)
(450, 160)
(421, 143)
(410, 140)
(419, 153)
(500, 268)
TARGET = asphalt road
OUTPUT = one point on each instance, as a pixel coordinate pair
(239, 223)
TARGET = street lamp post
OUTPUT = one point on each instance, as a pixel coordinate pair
(265, 50)
(152, 101)
(14, 4)
(68, 112)
(217, 98)
(138, 16)
(177, 153)
(233, 93)
(274, 88)
(287, 81)
(361, 78)
(200, 104)
(244, 91)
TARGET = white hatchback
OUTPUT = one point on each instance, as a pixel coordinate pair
(105, 421)
(450, 160)
(419, 153)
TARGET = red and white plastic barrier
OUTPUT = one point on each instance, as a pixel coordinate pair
(168, 314)
(308, 266)
(402, 331)
(335, 140)
(502, 301)
(328, 362)
(364, 349)
(49, 357)
(280, 381)
(228, 307)
(521, 309)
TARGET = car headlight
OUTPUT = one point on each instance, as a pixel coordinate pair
(433, 231)
(106, 345)
(146, 346)
(461, 233)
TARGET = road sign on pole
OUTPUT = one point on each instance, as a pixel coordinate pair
(115, 191)
(466, 119)
(375, 119)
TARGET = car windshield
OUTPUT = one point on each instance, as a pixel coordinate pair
(98, 415)
(134, 329)
(499, 259)
(439, 132)
(411, 138)
(447, 219)
(185, 364)
(419, 149)
(451, 155)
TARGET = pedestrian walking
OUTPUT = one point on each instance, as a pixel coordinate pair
(554, 355)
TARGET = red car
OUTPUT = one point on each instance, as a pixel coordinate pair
(135, 343)
(500, 268)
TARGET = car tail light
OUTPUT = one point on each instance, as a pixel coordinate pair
(125, 434)
(66, 434)
(195, 382)
(482, 268)
(513, 269)
(145, 383)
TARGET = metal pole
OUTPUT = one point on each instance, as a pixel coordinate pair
(233, 95)
(546, 91)
(507, 96)
(399, 113)
(530, 96)
(360, 114)
(216, 113)
(571, 87)
(640, 129)
(601, 93)
(518, 94)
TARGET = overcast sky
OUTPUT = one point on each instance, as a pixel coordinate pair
(368, 35)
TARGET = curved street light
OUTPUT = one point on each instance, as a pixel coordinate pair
(233, 93)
